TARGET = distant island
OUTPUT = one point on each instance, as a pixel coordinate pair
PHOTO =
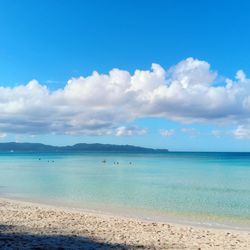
(80, 147)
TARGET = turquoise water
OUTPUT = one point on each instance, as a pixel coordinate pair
(202, 186)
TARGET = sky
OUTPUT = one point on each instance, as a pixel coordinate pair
(163, 74)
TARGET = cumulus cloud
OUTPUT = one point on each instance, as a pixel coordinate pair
(167, 132)
(129, 131)
(100, 104)
(242, 132)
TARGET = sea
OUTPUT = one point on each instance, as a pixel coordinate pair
(207, 189)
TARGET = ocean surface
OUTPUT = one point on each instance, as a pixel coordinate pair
(206, 188)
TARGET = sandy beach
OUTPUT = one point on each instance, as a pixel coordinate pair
(26, 225)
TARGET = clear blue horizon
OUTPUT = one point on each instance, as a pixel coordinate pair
(160, 74)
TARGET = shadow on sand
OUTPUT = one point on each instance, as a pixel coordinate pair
(12, 238)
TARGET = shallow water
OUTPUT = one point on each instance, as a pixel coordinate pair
(196, 186)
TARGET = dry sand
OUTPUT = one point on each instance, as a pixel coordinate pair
(33, 226)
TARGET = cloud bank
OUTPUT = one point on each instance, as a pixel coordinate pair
(107, 104)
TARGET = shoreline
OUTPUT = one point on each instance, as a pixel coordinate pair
(54, 225)
(145, 216)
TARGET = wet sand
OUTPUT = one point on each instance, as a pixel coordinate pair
(25, 225)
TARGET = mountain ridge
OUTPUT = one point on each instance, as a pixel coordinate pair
(79, 147)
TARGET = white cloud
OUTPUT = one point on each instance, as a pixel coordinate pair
(167, 132)
(129, 131)
(102, 103)
(242, 132)
(2, 135)
(240, 75)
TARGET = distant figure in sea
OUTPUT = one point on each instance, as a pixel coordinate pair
(104, 161)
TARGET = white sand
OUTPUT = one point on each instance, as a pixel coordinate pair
(32, 226)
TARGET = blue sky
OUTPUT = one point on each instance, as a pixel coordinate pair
(57, 41)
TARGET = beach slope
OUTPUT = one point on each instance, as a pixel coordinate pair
(33, 226)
